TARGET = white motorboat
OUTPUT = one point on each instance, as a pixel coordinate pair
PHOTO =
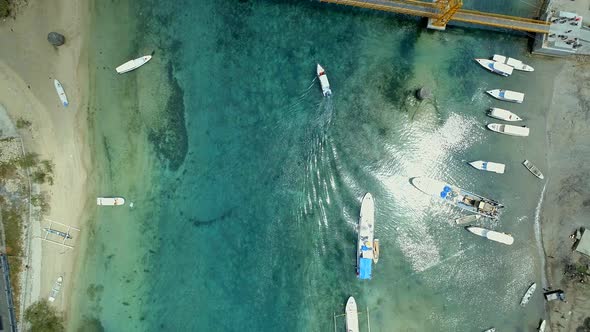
(502, 114)
(528, 294)
(352, 316)
(60, 92)
(490, 330)
(533, 169)
(516, 64)
(110, 201)
(366, 242)
(324, 81)
(488, 166)
(55, 290)
(467, 219)
(509, 129)
(542, 326)
(133, 64)
(507, 95)
(491, 235)
(495, 67)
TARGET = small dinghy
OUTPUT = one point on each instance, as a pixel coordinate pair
(491, 235)
(376, 251)
(502, 114)
(61, 93)
(542, 326)
(495, 67)
(488, 166)
(509, 129)
(352, 316)
(324, 81)
(516, 64)
(507, 95)
(467, 219)
(110, 201)
(133, 64)
(55, 290)
(528, 294)
(533, 169)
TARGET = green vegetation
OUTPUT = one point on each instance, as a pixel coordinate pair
(7, 170)
(41, 201)
(4, 8)
(44, 318)
(12, 220)
(22, 123)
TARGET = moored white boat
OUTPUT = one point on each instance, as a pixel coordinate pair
(516, 64)
(352, 318)
(110, 201)
(533, 169)
(366, 231)
(488, 166)
(495, 67)
(468, 219)
(542, 326)
(490, 330)
(60, 92)
(324, 81)
(133, 64)
(55, 290)
(491, 235)
(507, 95)
(509, 129)
(502, 114)
(528, 294)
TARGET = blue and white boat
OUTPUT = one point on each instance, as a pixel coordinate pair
(366, 241)
(495, 67)
(488, 166)
(507, 95)
(458, 197)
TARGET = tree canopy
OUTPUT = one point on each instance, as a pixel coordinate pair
(44, 318)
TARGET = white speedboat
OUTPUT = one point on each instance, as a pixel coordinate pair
(488, 166)
(60, 92)
(528, 294)
(507, 95)
(509, 129)
(533, 169)
(516, 64)
(352, 316)
(542, 326)
(495, 67)
(491, 235)
(110, 201)
(490, 330)
(324, 81)
(467, 219)
(133, 64)
(366, 242)
(503, 114)
(55, 290)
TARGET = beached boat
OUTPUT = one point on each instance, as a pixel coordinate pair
(528, 294)
(324, 81)
(110, 201)
(503, 114)
(60, 92)
(376, 251)
(495, 67)
(58, 233)
(133, 64)
(490, 330)
(458, 197)
(516, 64)
(491, 235)
(533, 169)
(507, 95)
(352, 316)
(511, 130)
(55, 290)
(366, 231)
(488, 166)
(467, 219)
(542, 326)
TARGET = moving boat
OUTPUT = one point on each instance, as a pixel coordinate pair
(55, 290)
(110, 201)
(458, 197)
(352, 316)
(376, 251)
(503, 114)
(133, 64)
(495, 67)
(507, 95)
(533, 169)
(467, 219)
(511, 130)
(60, 92)
(491, 235)
(365, 241)
(324, 81)
(488, 166)
(542, 326)
(516, 64)
(527, 295)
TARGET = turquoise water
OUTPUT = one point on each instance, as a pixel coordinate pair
(246, 182)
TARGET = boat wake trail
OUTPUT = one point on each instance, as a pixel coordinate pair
(295, 105)
(539, 239)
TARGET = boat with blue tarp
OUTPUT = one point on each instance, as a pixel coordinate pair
(366, 241)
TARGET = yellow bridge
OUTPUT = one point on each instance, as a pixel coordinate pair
(442, 11)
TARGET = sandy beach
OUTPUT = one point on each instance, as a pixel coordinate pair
(27, 69)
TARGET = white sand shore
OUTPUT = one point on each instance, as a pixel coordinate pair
(27, 69)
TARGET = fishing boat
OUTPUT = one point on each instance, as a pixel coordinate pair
(467, 219)
(502, 114)
(528, 294)
(458, 197)
(507, 95)
(365, 240)
(516, 64)
(55, 290)
(542, 326)
(491, 235)
(133, 64)
(495, 67)
(324, 81)
(488, 166)
(533, 169)
(376, 251)
(110, 201)
(61, 93)
(511, 130)
(352, 316)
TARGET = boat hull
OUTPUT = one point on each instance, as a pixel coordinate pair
(528, 294)
(502, 114)
(514, 63)
(509, 129)
(352, 318)
(133, 64)
(366, 237)
(533, 169)
(488, 166)
(495, 67)
(110, 201)
(325, 84)
(491, 235)
(61, 93)
(507, 95)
